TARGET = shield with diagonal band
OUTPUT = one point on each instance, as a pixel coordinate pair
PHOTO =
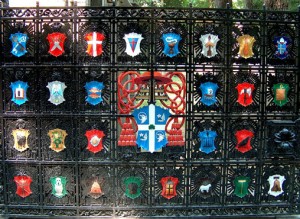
(56, 43)
(151, 121)
(19, 41)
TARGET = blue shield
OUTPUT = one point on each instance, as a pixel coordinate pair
(94, 92)
(18, 44)
(207, 138)
(19, 89)
(208, 90)
(151, 121)
(171, 42)
(281, 43)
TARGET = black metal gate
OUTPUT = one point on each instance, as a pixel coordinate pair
(251, 165)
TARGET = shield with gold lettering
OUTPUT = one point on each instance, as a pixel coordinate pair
(280, 93)
(169, 184)
(57, 137)
(23, 185)
(241, 184)
(243, 138)
(245, 46)
(56, 42)
(20, 139)
(245, 90)
(95, 139)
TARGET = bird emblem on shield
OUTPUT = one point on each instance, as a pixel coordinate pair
(151, 121)
(243, 138)
(58, 186)
(57, 138)
(133, 41)
(245, 46)
(132, 187)
(245, 90)
(94, 92)
(281, 93)
(281, 44)
(208, 90)
(169, 185)
(95, 139)
(19, 92)
(207, 141)
(23, 185)
(94, 41)
(171, 44)
(275, 183)
(241, 184)
(56, 43)
(20, 139)
(56, 89)
(19, 41)
(209, 45)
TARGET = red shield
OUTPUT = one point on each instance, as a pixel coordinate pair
(243, 138)
(95, 139)
(169, 184)
(94, 41)
(23, 185)
(245, 93)
(56, 41)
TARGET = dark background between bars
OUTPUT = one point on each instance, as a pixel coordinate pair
(75, 68)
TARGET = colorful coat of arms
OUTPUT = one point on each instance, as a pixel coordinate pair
(58, 186)
(20, 139)
(19, 92)
(94, 41)
(133, 41)
(23, 185)
(171, 44)
(243, 138)
(133, 187)
(94, 92)
(209, 45)
(56, 42)
(56, 89)
(95, 140)
(281, 93)
(241, 184)
(207, 141)
(276, 182)
(281, 44)
(169, 185)
(245, 91)
(208, 90)
(57, 137)
(246, 46)
(19, 41)
(151, 121)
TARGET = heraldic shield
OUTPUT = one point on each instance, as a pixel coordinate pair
(57, 137)
(20, 139)
(169, 185)
(241, 185)
(56, 89)
(208, 90)
(19, 41)
(19, 92)
(96, 191)
(56, 43)
(133, 41)
(207, 141)
(95, 140)
(133, 187)
(209, 45)
(23, 185)
(243, 138)
(281, 44)
(275, 183)
(171, 44)
(58, 186)
(94, 92)
(281, 92)
(245, 90)
(94, 41)
(151, 121)
(245, 46)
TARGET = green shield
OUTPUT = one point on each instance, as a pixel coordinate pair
(133, 187)
(280, 93)
(58, 186)
(241, 184)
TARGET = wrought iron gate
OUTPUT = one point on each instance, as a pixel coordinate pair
(230, 81)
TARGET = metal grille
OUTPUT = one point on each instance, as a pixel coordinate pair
(115, 163)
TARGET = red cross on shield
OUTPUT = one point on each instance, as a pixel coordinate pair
(94, 41)
(56, 42)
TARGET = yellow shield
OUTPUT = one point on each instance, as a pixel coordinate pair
(246, 44)
(57, 137)
(20, 139)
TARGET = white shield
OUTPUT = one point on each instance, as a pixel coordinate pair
(209, 45)
(56, 89)
(276, 182)
(133, 41)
